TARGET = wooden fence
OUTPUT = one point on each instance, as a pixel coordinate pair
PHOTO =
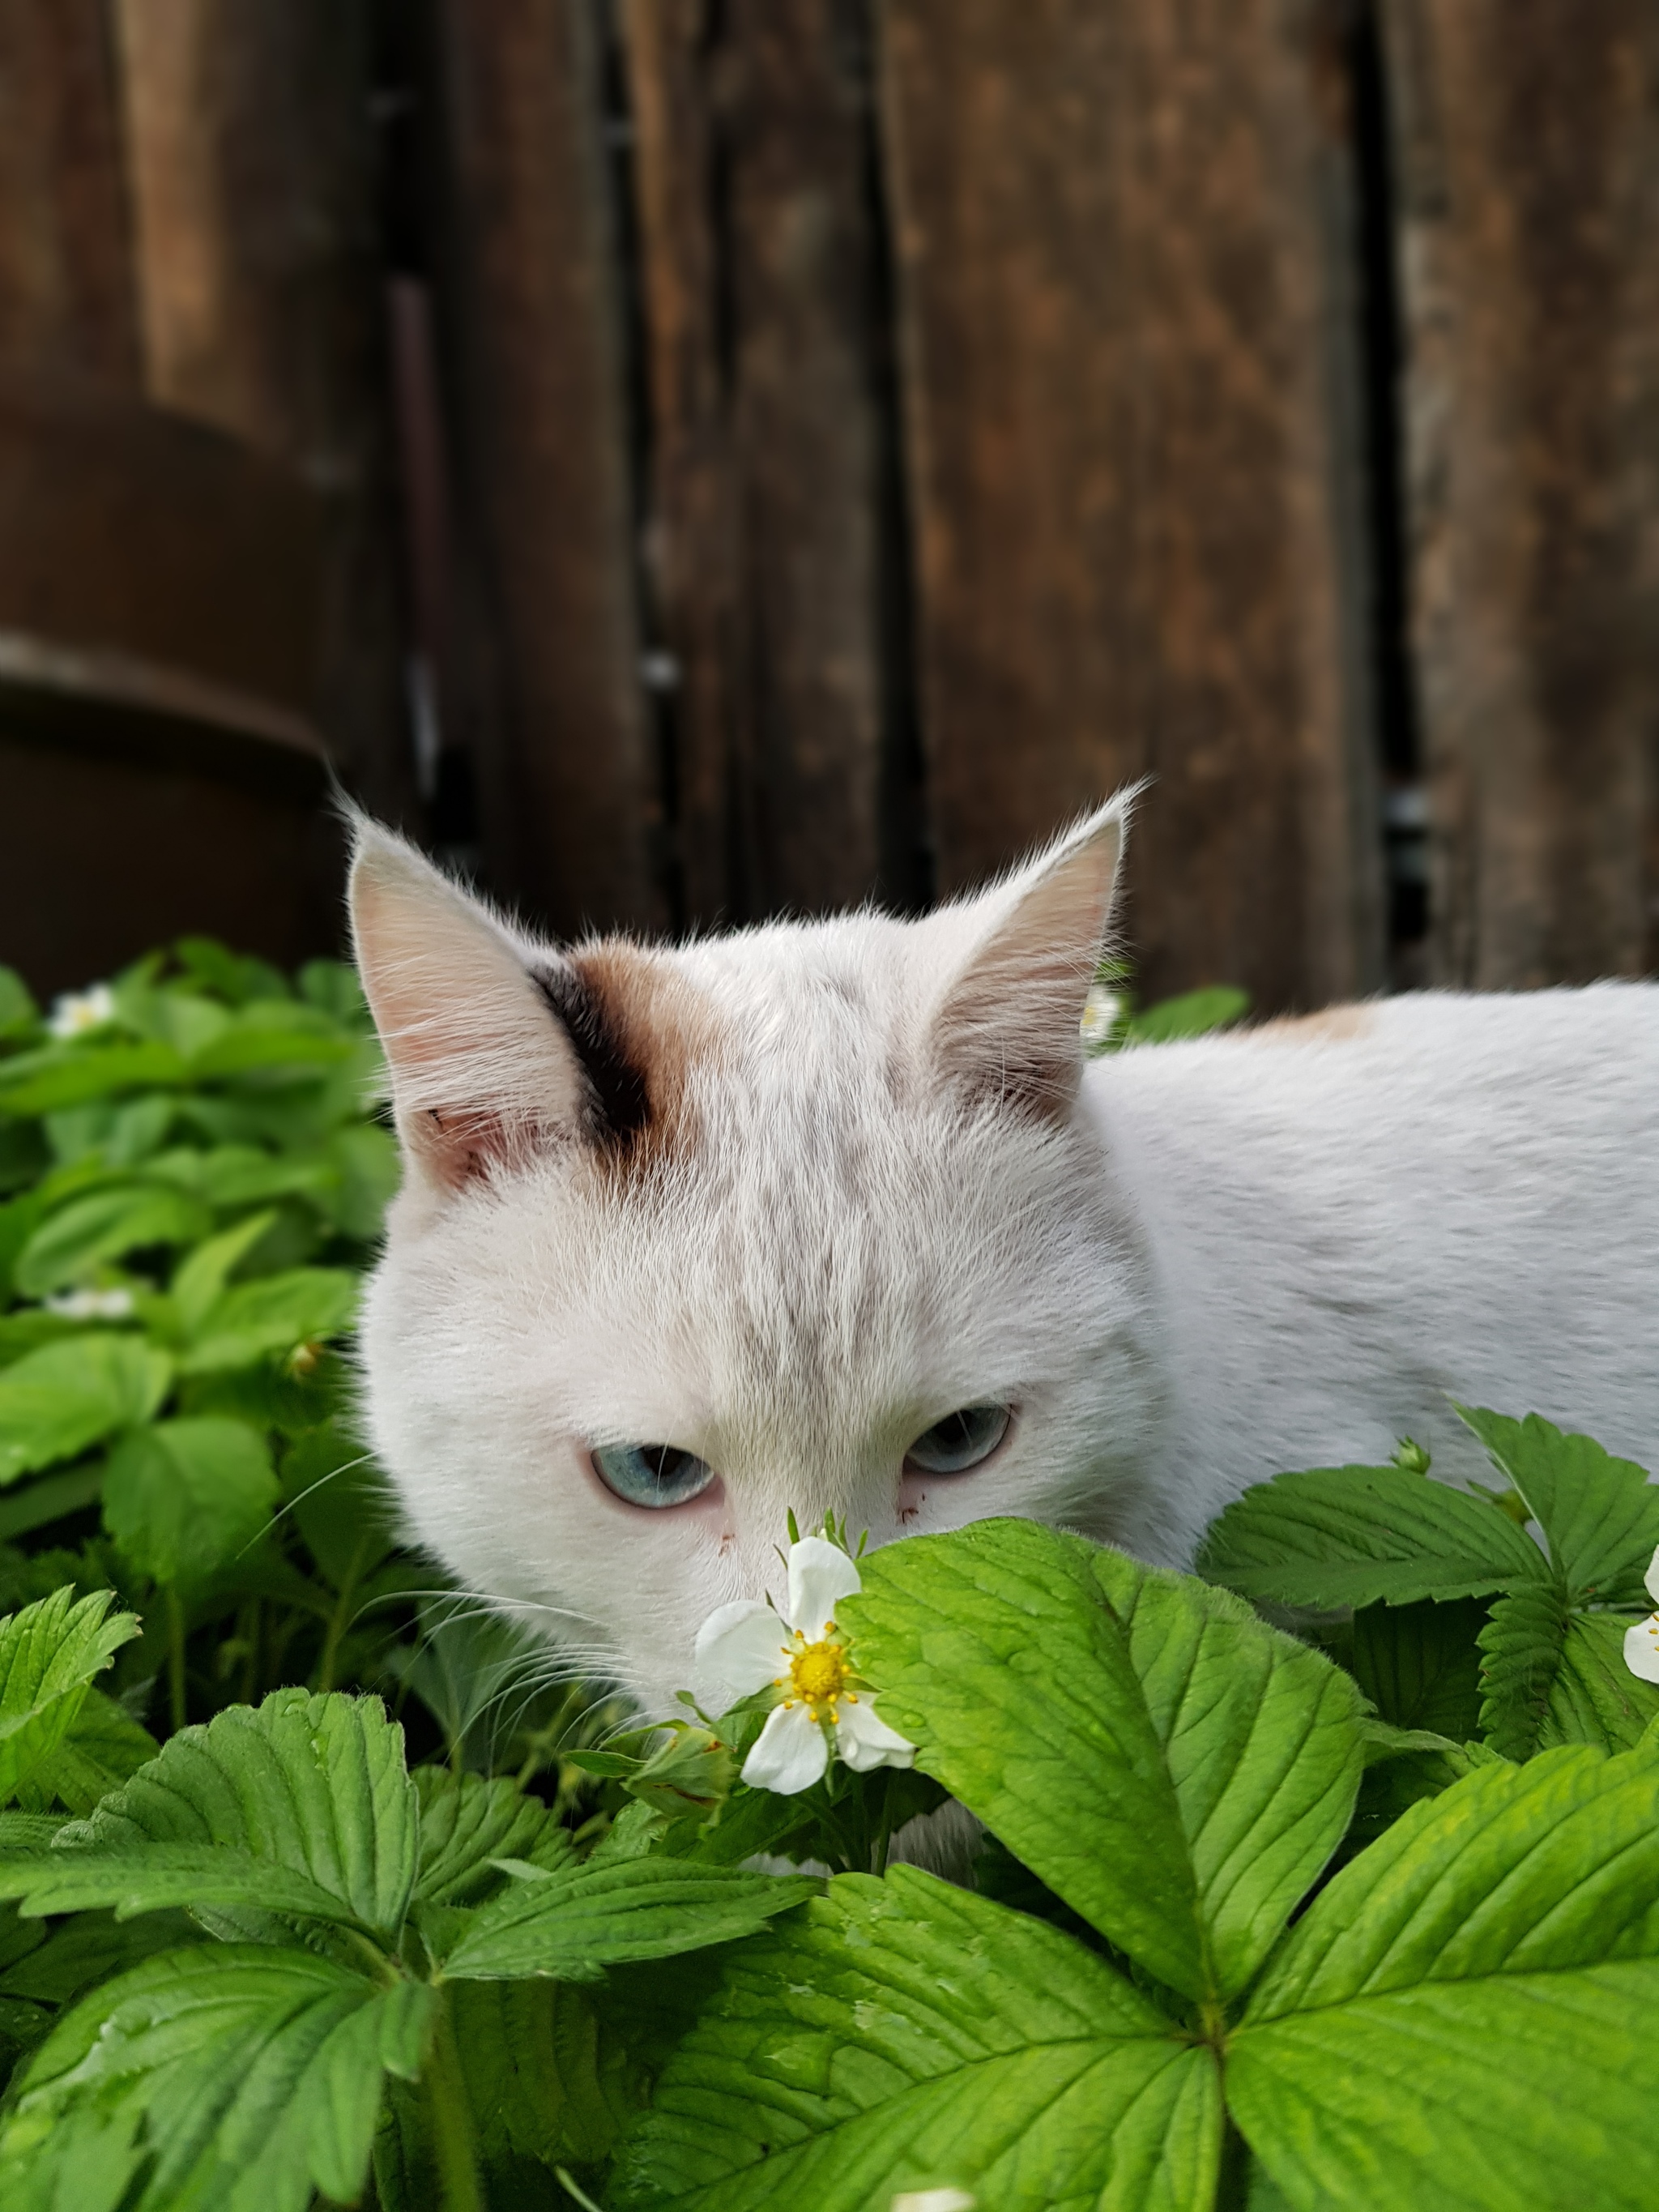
(790, 450)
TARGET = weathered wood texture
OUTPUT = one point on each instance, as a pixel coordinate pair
(548, 654)
(1122, 242)
(1528, 166)
(766, 547)
(195, 508)
(252, 182)
(66, 300)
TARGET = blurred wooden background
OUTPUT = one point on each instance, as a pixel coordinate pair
(689, 459)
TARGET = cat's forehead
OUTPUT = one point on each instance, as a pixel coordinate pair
(792, 986)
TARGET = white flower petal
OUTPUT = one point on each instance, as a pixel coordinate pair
(1652, 1578)
(791, 1754)
(1641, 1649)
(1100, 1012)
(820, 1575)
(740, 1647)
(76, 1012)
(864, 1740)
(934, 2200)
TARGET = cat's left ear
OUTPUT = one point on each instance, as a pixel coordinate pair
(1008, 1025)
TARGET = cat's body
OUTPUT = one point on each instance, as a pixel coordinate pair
(785, 1202)
(1355, 1217)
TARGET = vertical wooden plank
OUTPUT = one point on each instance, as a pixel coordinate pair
(570, 801)
(752, 159)
(1528, 161)
(690, 541)
(251, 164)
(1123, 244)
(66, 297)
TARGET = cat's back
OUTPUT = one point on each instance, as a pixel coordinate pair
(1414, 1074)
(1356, 1212)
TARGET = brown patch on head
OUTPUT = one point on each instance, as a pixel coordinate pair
(638, 1029)
(1332, 1025)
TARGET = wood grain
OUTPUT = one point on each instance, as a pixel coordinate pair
(251, 169)
(1528, 161)
(1123, 241)
(570, 788)
(765, 544)
(67, 304)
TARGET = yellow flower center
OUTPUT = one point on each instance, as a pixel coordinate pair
(818, 1675)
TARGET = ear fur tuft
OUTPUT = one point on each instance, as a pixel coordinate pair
(481, 1071)
(1007, 1026)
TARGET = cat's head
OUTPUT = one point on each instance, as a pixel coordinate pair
(810, 1216)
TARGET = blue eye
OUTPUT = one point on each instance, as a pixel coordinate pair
(651, 1474)
(960, 1441)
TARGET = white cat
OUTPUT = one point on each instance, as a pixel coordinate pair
(831, 1215)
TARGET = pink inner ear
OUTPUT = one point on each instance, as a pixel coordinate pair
(481, 1071)
(1007, 1030)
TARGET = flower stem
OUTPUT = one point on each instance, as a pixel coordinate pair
(453, 2142)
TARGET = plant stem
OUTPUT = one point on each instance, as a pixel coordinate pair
(336, 1628)
(176, 1660)
(452, 2119)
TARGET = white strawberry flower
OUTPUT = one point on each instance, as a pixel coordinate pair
(747, 1646)
(1100, 1012)
(90, 1305)
(77, 1011)
(1641, 1641)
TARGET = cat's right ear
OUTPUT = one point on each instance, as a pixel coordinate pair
(482, 1071)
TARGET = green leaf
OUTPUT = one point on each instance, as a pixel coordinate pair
(366, 1160)
(58, 1401)
(163, 1877)
(243, 1175)
(1175, 1770)
(465, 1823)
(543, 2081)
(1364, 1535)
(17, 1006)
(89, 1948)
(23, 1834)
(83, 1234)
(184, 1498)
(242, 2075)
(49, 1653)
(577, 1920)
(273, 1314)
(903, 2035)
(342, 1504)
(332, 986)
(19, 1219)
(1595, 1698)
(1420, 1665)
(269, 1034)
(1462, 2019)
(104, 1747)
(1520, 1652)
(313, 1784)
(1195, 1013)
(1600, 1515)
(67, 1075)
(49, 1500)
(234, 976)
(200, 1280)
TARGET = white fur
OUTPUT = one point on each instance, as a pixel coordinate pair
(1222, 1259)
